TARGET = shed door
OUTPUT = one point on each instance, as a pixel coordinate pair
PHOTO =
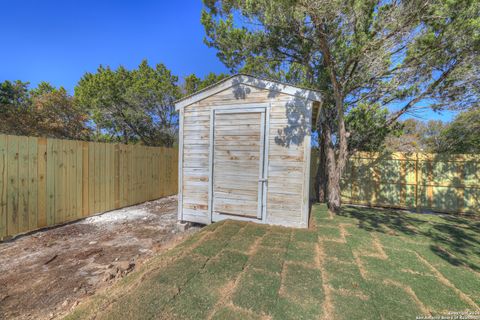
(238, 163)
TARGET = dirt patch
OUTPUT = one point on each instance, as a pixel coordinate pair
(49, 272)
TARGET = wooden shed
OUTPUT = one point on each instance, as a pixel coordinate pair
(244, 152)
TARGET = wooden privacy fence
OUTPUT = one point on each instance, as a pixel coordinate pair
(44, 182)
(442, 183)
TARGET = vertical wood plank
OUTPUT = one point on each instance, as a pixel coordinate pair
(460, 186)
(23, 184)
(51, 181)
(12, 192)
(79, 181)
(71, 181)
(59, 182)
(33, 211)
(111, 170)
(3, 186)
(162, 169)
(74, 176)
(121, 172)
(97, 179)
(103, 178)
(85, 181)
(117, 176)
(106, 177)
(429, 183)
(416, 182)
(91, 178)
(130, 176)
(403, 181)
(376, 188)
(42, 182)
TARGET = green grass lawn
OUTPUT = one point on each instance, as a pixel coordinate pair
(360, 264)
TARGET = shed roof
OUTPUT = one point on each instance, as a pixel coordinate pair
(251, 81)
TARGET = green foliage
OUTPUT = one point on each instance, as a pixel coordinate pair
(15, 107)
(59, 116)
(459, 136)
(41, 111)
(193, 84)
(405, 53)
(368, 127)
(132, 105)
(417, 136)
(462, 135)
(360, 54)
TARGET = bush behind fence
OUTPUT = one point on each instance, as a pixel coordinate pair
(45, 182)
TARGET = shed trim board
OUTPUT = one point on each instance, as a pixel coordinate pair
(263, 109)
(306, 186)
(251, 81)
(180, 166)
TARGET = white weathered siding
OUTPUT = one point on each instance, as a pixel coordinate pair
(287, 166)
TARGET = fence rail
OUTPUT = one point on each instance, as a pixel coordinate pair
(442, 183)
(44, 182)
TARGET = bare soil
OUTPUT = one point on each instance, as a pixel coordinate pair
(46, 274)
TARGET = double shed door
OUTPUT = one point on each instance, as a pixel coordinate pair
(238, 163)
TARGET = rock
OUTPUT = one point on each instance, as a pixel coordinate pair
(124, 266)
(74, 305)
(109, 276)
(92, 242)
(65, 303)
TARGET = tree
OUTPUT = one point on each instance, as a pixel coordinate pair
(462, 135)
(367, 125)
(42, 111)
(57, 115)
(418, 136)
(15, 108)
(357, 52)
(132, 106)
(193, 84)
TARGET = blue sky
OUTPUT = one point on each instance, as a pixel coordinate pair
(58, 41)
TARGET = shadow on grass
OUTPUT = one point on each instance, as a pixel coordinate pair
(452, 238)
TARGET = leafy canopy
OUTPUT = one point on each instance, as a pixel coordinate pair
(132, 105)
(41, 111)
(400, 54)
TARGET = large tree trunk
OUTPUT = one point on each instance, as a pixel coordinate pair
(321, 177)
(335, 162)
(333, 184)
(334, 192)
